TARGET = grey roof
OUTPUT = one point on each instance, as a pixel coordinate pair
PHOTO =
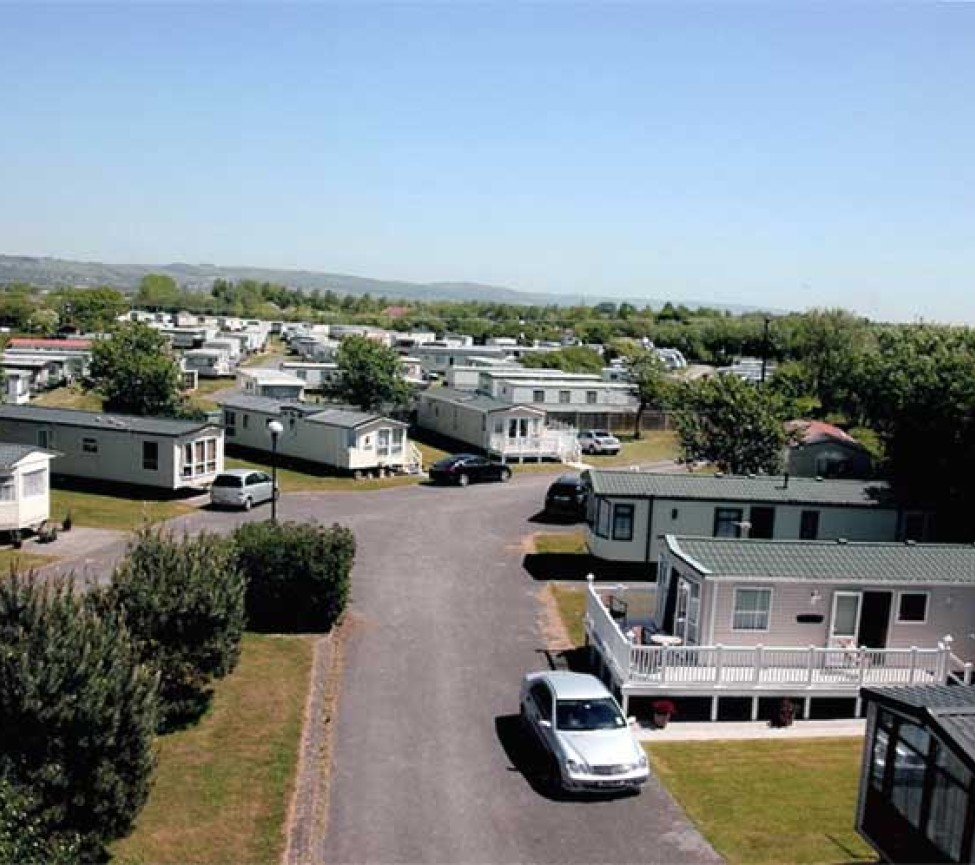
(827, 561)
(348, 419)
(472, 399)
(267, 404)
(11, 454)
(948, 709)
(740, 488)
(157, 426)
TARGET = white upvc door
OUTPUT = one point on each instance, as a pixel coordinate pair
(687, 612)
(845, 621)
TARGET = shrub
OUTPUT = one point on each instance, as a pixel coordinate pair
(24, 839)
(77, 712)
(183, 603)
(297, 574)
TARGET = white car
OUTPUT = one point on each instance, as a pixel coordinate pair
(598, 441)
(241, 488)
(580, 724)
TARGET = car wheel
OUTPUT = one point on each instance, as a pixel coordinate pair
(463, 480)
(505, 475)
(247, 504)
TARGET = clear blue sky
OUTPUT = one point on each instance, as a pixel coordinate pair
(777, 154)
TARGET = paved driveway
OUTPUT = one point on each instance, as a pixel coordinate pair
(428, 761)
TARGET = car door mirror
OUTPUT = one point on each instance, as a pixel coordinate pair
(545, 723)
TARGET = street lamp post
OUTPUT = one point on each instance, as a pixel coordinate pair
(275, 428)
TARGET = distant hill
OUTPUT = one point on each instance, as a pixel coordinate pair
(57, 272)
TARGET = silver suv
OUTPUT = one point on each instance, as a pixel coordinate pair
(241, 488)
(598, 441)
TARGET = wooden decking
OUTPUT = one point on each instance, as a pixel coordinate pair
(753, 671)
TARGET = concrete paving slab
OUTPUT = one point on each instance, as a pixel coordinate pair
(704, 731)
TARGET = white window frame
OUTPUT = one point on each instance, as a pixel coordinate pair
(383, 439)
(927, 608)
(28, 477)
(768, 612)
(565, 397)
(617, 535)
(844, 639)
(538, 396)
(8, 489)
(603, 526)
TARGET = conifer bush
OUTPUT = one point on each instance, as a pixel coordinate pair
(297, 574)
(182, 600)
(77, 716)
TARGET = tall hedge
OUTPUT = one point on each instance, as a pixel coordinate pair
(77, 712)
(183, 603)
(297, 574)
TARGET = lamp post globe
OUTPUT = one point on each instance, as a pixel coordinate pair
(275, 428)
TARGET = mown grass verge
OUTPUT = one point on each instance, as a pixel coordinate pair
(222, 788)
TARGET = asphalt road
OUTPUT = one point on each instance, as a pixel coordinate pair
(429, 765)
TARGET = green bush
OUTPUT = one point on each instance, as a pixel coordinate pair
(77, 712)
(24, 839)
(183, 603)
(297, 574)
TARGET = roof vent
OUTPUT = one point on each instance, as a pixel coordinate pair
(910, 542)
(842, 541)
(751, 475)
(819, 478)
(719, 474)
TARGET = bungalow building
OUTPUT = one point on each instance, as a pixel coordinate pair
(25, 501)
(497, 427)
(796, 619)
(822, 450)
(145, 451)
(335, 437)
(916, 800)
(271, 383)
(628, 513)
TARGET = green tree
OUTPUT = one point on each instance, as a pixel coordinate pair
(574, 358)
(77, 711)
(91, 309)
(183, 603)
(136, 372)
(158, 291)
(649, 377)
(297, 574)
(731, 423)
(370, 375)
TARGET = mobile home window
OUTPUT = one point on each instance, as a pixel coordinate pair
(912, 607)
(44, 438)
(7, 489)
(382, 442)
(35, 483)
(727, 522)
(752, 608)
(602, 518)
(591, 397)
(809, 525)
(245, 420)
(89, 445)
(398, 439)
(565, 396)
(623, 523)
(538, 396)
(150, 456)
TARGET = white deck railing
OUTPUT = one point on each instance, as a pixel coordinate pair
(713, 668)
(552, 444)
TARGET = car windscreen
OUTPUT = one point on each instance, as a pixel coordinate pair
(602, 433)
(231, 481)
(599, 714)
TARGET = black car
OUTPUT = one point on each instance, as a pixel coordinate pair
(464, 469)
(566, 498)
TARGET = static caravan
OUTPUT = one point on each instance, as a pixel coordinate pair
(831, 594)
(145, 451)
(316, 375)
(208, 362)
(339, 438)
(630, 512)
(271, 383)
(25, 501)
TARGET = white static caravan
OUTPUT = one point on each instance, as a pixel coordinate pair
(145, 451)
(316, 375)
(337, 438)
(630, 512)
(208, 362)
(270, 383)
(25, 484)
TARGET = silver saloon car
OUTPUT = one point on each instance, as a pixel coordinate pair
(577, 720)
(241, 488)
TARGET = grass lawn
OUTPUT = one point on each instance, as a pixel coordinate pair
(18, 560)
(222, 788)
(71, 396)
(560, 542)
(572, 607)
(275, 348)
(783, 802)
(291, 481)
(653, 447)
(104, 511)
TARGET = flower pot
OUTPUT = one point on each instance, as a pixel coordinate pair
(660, 720)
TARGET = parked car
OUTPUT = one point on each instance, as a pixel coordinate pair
(566, 497)
(598, 441)
(464, 469)
(241, 488)
(577, 720)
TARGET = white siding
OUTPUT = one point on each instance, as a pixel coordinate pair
(26, 511)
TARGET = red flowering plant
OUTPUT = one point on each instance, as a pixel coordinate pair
(663, 707)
